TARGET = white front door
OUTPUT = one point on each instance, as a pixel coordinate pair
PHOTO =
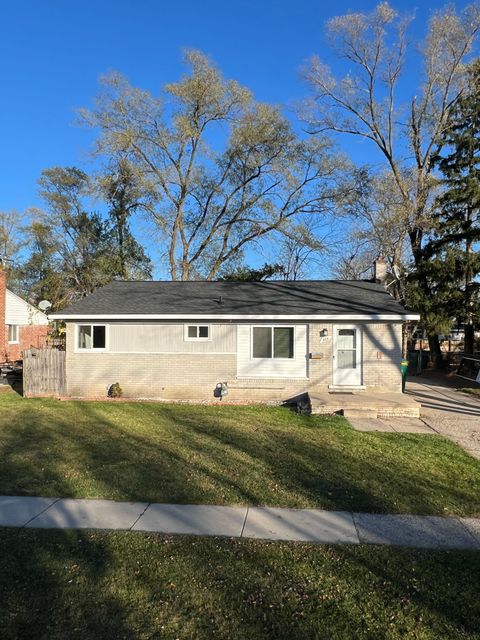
(347, 356)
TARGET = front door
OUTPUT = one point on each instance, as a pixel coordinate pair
(347, 363)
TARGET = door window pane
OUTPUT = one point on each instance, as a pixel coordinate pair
(99, 337)
(85, 336)
(283, 342)
(346, 359)
(346, 339)
(262, 342)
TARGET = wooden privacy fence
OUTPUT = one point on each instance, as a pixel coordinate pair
(43, 372)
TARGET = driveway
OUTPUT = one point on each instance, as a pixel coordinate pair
(447, 410)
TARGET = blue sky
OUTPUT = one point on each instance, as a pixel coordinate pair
(52, 53)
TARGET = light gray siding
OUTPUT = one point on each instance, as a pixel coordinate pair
(169, 338)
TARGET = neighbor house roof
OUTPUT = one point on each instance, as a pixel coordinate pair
(268, 300)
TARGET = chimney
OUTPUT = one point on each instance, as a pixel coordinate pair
(3, 310)
(380, 270)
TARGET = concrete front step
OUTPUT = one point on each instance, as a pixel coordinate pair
(360, 412)
(368, 405)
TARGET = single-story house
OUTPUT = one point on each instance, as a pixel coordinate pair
(22, 326)
(263, 341)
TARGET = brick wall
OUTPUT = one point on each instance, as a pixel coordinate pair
(30, 335)
(382, 354)
(194, 376)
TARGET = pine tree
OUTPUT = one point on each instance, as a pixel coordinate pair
(119, 187)
(451, 258)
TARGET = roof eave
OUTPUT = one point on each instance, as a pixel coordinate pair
(398, 317)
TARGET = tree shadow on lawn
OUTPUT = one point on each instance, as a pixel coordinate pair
(334, 467)
(302, 590)
(212, 457)
(57, 585)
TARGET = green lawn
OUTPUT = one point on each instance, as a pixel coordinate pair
(57, 585)
(227, 455)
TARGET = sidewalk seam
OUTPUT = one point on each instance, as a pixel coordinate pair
(245, 521)
(429, 426)
(140, 516)
(352, 513)
(472, 535)
(40, 512)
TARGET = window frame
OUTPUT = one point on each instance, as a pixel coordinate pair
(272, 327)
(17, 334)
(187, 338)
(79, 349)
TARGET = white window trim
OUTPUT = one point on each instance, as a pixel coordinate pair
(17, 341)
(197, 324)
(78, 349)
(272, 327)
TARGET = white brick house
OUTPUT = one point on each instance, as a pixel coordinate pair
(267, 341)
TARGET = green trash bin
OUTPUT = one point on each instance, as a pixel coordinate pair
(404, 369)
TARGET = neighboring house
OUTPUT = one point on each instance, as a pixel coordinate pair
(268, 341)
(22, 326)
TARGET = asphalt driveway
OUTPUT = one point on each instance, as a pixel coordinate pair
(447, 410)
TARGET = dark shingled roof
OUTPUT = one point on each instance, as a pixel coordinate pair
(210, 299)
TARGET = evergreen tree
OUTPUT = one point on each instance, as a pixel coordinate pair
(81, 238)
(451, 257)
(42, 275)
(120, 188)
(249, 274)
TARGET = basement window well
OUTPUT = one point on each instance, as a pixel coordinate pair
(91, 337)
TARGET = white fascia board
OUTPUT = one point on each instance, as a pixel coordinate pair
(182, 316)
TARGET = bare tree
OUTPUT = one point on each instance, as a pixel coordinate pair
(12, 240)
(376, 222)
(363, 103)
(221, 170)
(301, 249)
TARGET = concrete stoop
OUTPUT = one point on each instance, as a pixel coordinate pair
(365, 405)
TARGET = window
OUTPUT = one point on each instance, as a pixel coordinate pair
(347, 349)
(13, 332)
(197, 332)
(273, 342)
(91, 336)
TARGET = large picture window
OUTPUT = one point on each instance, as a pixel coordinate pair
(273, 342)
(91, 336)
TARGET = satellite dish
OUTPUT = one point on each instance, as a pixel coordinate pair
(397, 272)
(44, 305)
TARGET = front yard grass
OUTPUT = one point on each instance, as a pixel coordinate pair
(90, 585)
(227, 455)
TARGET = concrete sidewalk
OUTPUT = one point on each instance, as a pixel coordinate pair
(263, 523)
